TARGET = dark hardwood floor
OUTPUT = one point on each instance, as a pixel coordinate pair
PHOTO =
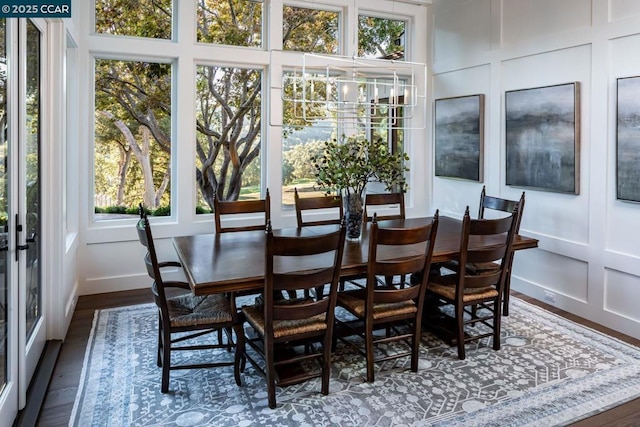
(64, 384)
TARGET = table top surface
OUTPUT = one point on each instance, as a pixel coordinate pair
(234, 262)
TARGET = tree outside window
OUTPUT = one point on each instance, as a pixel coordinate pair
(228, 124)
(310, 30)
(381, 38)
(231, 22)
(139, 18)
(132, 136)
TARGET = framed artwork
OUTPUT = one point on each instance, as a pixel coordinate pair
(543, 138)
(628, 140)
(459, 137)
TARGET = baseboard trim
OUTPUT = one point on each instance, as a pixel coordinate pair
(37, 391)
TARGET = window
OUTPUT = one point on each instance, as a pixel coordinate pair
(381, 38)
(303, 135)
(132, 137)
(230, 22)
(310, 30)
(228, 125)
(218, 66)
(123, 18)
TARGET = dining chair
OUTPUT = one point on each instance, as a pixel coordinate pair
(286, 331)
(500, 206)
(376, 201)
(384, 200)
(224, 211)
(396, 309)
(327, 204)
(477, 295)
(182, 318)
(321, 204)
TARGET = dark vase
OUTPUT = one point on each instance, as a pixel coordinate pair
(354, 215)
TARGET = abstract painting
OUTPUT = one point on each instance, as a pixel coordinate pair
(543, 138)
(459, 124)
(628, 140)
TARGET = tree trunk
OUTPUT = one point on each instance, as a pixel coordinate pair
(125, 157)
(143, 155)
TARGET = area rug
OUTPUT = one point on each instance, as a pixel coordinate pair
(549, 372)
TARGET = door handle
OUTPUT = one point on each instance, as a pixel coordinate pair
(18, 231)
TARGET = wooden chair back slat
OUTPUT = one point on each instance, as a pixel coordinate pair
(384, 199)
(283, 251)
(380, 237)
(309, 205)
(226, 209)
(498, 253)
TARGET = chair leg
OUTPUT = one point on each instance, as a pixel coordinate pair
(239, 359)
(166, 361)
(270, 371)
(460, 332)
(474, 313)
(369, 351)
(326, 363)
(496, 324)
(505, 295)
(415, 345)
(159, 361)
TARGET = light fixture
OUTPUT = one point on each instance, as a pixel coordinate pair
(350, 90)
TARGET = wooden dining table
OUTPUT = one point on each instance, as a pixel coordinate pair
(235, 262)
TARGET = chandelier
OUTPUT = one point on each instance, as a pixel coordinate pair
(353, 90)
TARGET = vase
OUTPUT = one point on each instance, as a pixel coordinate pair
(353, 214)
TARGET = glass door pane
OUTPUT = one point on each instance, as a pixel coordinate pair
(32, 179)
(4, 192)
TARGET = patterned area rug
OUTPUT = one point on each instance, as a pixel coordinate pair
(549, 371)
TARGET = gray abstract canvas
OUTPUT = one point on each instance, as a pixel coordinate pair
(459, 137)
(542, 138)
(628, 139)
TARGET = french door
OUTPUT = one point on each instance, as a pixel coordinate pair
(22, 321)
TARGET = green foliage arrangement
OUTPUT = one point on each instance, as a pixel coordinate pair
(350, 163)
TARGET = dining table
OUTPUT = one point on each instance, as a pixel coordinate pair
(235, 262)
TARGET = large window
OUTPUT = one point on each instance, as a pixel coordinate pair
(230, 22)
(132, 137)
(228, 124)
(381, 38)
(139, 18)
(189, 109)
(310, 30)
(306, 128)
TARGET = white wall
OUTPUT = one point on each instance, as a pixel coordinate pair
(588, 258)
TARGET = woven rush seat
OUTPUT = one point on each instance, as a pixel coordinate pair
(473, 268)
(188, 310)
(355, 301)
(446, 287)
(282, 328)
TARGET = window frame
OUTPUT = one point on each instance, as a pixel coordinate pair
(184, 52)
